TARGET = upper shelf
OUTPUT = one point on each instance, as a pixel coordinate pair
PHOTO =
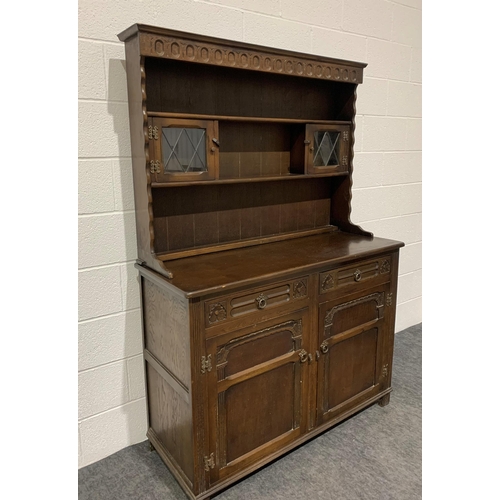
(255, 119)
(264, 178)
(242, 118)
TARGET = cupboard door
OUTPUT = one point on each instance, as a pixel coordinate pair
(257, 392)
(328, 149)
(183, 150)
(352, 336)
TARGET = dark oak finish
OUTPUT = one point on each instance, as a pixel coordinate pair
(268, 316)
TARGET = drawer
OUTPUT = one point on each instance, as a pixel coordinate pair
(368, 272)
(256, 302)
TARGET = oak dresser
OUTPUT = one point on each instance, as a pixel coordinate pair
(268, 316)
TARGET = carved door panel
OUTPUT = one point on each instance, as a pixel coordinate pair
(352, 339)
(257, 392)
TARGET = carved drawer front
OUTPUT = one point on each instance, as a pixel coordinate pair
(255, 302)
(366, 272)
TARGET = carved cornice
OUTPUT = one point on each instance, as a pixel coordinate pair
(218, 53)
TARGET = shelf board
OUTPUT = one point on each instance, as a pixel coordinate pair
(240, 180)
(189, 252)
(264, 119)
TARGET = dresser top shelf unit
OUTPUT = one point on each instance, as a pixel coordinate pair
(218, 130)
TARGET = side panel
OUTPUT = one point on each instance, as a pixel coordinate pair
(136, 81)
(166, 330)
(168, 376)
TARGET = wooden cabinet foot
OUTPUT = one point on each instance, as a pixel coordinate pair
(385, 400)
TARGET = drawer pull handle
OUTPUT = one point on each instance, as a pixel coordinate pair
(357, 275)
(324, 347)
(261, 301)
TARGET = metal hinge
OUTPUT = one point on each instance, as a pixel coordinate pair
(209, 462)
(388, 300)
(153, 133)
(206, 363)
(155, 166)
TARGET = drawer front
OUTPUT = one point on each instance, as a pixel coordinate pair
(365, 273)
(255, 303)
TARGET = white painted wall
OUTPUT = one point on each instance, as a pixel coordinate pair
(387, 168)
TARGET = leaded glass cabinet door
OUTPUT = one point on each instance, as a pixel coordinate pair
(327, 148)
(183, 150)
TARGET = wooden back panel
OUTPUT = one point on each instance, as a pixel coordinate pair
(195, 216)
(183, 87)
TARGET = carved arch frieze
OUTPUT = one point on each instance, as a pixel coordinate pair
(218, 54)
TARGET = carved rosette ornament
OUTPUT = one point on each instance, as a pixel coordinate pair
(217, 313)
(385, 266)
(328, 282)
(299, 289)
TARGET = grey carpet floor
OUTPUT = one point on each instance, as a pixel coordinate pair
(376, 454)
